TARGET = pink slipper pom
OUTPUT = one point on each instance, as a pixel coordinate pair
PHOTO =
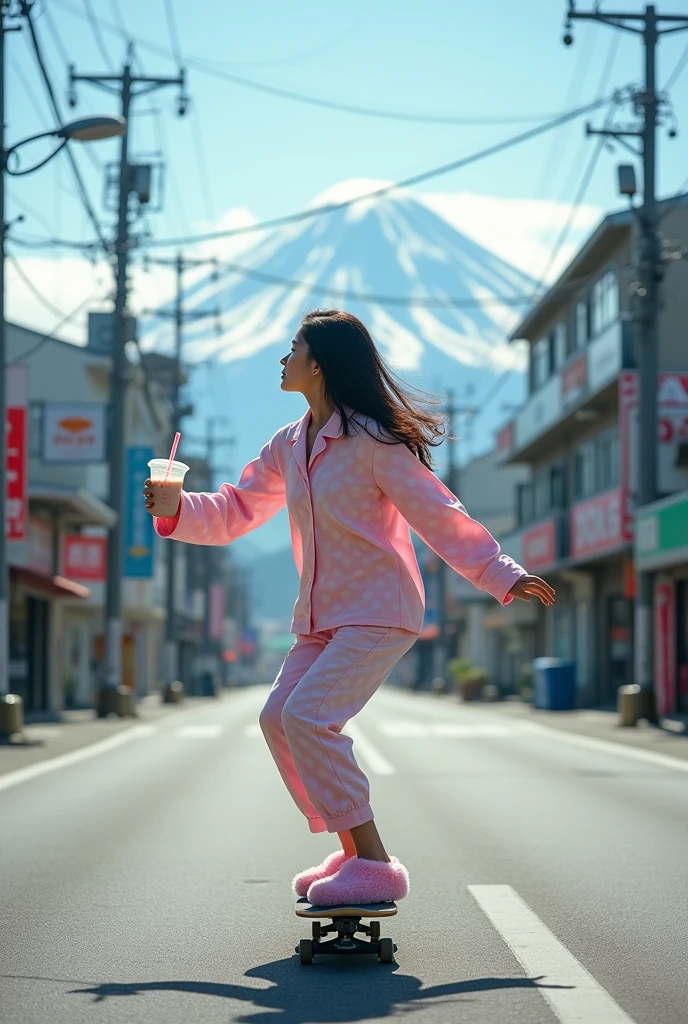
(361, 881)
(332, 863)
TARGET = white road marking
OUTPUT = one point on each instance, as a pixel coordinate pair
(408, 729)
(63, 760)
(253, 730)
(580, 1000)
(199, 732)
(607, 747)
(377, 764)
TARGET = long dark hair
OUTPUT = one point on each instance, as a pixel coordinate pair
(356, 376)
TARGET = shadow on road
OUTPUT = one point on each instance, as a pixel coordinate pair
(322, 993)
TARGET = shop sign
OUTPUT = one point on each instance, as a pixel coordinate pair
(84, 558)
(16, 458)
(74, 432)
(672, 429)
(139, 529)
(539, 546)
(661, 536)
(596, 525)
(574, 380)
(604, 357)
(665, 646)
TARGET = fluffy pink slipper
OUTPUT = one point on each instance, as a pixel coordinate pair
(329, 866)
(361, 881)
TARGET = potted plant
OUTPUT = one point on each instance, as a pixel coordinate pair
(471, 684)
(457, 669)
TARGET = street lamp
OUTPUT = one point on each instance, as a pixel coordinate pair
(83, 129)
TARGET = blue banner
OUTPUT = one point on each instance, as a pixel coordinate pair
(138, 526)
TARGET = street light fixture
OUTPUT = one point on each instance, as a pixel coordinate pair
(83, 129)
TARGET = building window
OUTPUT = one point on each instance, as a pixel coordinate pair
(607, 444)
(541, 362)
(582, 326)
(585, 482)
(542, 492)
(559, 344)
(604, 302)
(524, 504)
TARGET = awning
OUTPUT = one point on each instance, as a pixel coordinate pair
(73, 503)
(51, 586)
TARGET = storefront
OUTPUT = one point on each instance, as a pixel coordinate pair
(661, 546)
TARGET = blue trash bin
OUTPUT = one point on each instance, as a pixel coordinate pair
(554, 684)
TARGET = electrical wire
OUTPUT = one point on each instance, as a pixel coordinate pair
(202, 65)
(70, 155)
(95, 28)
(416, 179)
(52, 336)
(677, 72)
(32, 287)
(578, 198)
(172, 29)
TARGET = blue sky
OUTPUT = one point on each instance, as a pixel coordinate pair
(272, 155)
(241, 153)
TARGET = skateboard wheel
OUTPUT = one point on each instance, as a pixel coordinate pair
(385, 953)
(306, 951)
(374, 930)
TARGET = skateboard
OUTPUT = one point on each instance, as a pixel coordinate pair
(346, 921)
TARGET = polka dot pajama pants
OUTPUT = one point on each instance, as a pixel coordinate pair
(326, 678)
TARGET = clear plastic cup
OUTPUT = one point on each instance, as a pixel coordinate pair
(166, 492)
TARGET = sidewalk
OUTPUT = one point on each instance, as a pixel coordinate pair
(602, 725)
(77, 729)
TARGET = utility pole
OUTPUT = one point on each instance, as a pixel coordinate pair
(647, 25)
(4, 567)
(451, 480)
(180, 316)
(126, 83)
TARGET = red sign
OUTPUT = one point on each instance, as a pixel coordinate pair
(505, 438)
(672, 429)
(539, 546)
(16, 473)
(84, 558)
(665, 646)
(574, 380)
(596, 525)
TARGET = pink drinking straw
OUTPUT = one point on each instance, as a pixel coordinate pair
(172, 454)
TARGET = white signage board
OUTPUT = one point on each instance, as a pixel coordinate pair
(74, 432)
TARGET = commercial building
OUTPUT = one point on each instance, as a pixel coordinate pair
(661, 546)
(59, 518)
(577, 433)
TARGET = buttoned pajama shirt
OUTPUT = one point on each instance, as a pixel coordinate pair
(361, 599)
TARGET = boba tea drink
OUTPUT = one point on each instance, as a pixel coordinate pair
(166, 492)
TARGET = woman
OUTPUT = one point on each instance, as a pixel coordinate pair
(354, 473)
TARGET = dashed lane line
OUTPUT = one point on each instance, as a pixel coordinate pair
(377, 764)
(199, 732)
(571, 991)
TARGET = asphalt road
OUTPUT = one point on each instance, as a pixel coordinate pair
(151, 881)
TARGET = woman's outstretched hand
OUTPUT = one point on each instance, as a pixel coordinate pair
(532, 586)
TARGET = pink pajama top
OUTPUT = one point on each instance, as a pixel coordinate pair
(350, 507)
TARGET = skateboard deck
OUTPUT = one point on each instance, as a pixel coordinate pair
(346, 921)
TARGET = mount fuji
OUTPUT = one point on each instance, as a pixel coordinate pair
(393, 248)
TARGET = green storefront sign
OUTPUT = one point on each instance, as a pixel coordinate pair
(661, 533)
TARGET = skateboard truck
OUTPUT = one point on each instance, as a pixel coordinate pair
(346, 921)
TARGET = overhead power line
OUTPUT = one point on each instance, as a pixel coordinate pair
(677, 72)
(416, 179)
(70, 155)
(95, 29)
(204, 66)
